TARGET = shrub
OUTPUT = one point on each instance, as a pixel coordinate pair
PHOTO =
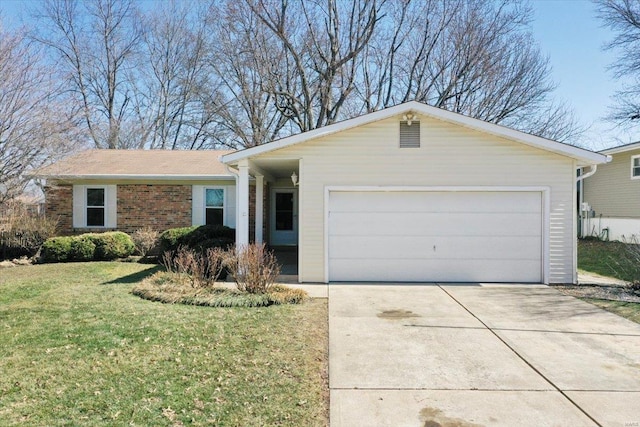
(199, 237)
(57, 249)
(145, 239)
(21, 233)
(198, 268)
(88, 247)
(253, 268)
(82, 249)
(112, 245)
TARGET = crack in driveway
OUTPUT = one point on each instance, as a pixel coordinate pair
(537, 371)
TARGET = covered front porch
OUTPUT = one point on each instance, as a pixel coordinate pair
(268, 208)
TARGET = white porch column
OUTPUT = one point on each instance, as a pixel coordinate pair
(259, 207)
(242, 225)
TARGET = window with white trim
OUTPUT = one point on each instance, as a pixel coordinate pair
(635, 167)
(95, 207)
(214, 206)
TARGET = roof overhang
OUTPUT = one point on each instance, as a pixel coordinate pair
(622, 148)
(582, 156)
(102, 177)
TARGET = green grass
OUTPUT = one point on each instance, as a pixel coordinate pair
(628, 310)
(613, 259)
(78, 349)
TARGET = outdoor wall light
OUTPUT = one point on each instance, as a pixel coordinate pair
(409, 118)
(294, 179)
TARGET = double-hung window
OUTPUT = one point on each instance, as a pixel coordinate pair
(635, 167)
(95, 207)
(214, 206)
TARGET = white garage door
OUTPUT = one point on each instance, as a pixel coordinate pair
(435, 236)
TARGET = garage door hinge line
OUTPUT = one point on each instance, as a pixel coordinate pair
(521, 357)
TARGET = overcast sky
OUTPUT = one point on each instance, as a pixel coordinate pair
(570, 34)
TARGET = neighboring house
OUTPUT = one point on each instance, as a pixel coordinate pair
(610, 199)
(409, 193)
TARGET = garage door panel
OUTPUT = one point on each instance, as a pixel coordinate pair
(437, 247)
(435, 236)
(436, 202)
(428, 224)
(413, 270)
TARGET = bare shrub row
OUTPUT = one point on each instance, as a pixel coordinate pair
(253, 268)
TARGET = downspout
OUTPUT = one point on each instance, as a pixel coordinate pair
(593, 170)
(580, 179)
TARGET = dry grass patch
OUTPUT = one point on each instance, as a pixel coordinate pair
(628, 310)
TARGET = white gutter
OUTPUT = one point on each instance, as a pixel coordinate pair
(137, 177)
(593, 170)
(233, 172)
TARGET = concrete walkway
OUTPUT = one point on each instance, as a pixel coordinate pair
(465, 355)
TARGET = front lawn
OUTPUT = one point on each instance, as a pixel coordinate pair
(612, 259)
(78, 349)
(628, 310)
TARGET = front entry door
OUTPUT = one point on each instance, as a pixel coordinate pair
(284, 217)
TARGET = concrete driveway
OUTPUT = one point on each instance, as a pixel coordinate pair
(469, 355)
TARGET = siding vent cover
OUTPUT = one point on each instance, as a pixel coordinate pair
(409, 134)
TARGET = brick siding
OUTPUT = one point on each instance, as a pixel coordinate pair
(59, 205)
(139, 205)
(157, 206)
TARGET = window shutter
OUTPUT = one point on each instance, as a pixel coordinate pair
(79, 212)
(410, 135)
(197, 205)
(230, 206)
(111, 204)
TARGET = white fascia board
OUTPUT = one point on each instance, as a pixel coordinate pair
(138, 177)
(622, 148)
(317, 133)
(585, 157)
(582, 155)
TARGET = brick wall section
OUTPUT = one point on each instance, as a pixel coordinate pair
(157, 206)
(59, 205)
(142, 205)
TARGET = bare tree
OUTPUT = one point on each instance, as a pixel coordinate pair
(33, 126)
(95, 43)
(175, 99)
(322, 47)
(242, 73)
(243, 57)
(318, 62)
(623, 17)
(475, 58)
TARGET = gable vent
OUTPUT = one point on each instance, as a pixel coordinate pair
(409, 134)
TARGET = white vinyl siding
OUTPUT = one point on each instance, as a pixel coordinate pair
(80, 206)
(198, 208)
(454, 156)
